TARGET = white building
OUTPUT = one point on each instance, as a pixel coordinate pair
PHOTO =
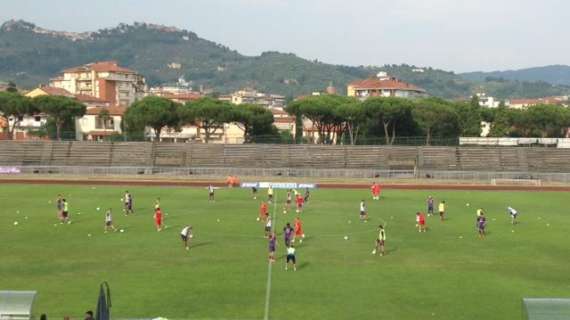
(488, 101)
(97, 124)
(384, 86)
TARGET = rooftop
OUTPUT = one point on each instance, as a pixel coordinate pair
(101, 66)
(384, 84)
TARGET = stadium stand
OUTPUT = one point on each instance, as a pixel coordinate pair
(259, 156)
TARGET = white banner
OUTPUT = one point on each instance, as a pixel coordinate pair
(278, 185)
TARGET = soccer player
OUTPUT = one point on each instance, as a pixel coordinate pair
(430, 206)
(380, 241)
(109, 221)
(263, 211)
(442, 210)
(268, 227)
(272, 247)
(65, 212)
(363, 211)
(288, 234)
(186, 235)
(288, 201)
(270, 194)
(421, 222)
(375, 189)
(128, 203)
(513, 213)
(300, 202)
(211, 193)
(307, 195)
(59, 206)
(158, 219)
(480, 212)
(291, 258)
(298, 226)
(254, 193)
(156, 204)
(481, 224)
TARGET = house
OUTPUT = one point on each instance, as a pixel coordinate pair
(251, 96)
(486, 101)
(525, 103)
(105, 80)
(384, 86)
(99, 123)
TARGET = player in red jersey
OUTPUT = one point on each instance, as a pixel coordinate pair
(421, 222)
(263, 211)
(299, 233)
(375, 189)
(299, 200)
(158, 219)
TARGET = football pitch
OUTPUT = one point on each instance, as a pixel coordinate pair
(445, 273)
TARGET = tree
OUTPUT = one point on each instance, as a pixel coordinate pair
(321, 111)
(389, 111)
(60, 110)
(353, 116)
(154, 112)
(254, 120)
(209, 114)
(13, 107)
(12, 87)
(436, 117)
(470, 118)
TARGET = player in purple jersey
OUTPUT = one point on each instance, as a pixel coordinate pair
(430, 206)
(288, 234)
(272, 247)
(481, 224)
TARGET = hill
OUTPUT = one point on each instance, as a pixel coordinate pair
(30, 55)
(555, 74)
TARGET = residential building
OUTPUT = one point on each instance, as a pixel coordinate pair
(524, 103)
(384, 86)
(251, 96)
(488, 101)
(99, 123)
(105, 80)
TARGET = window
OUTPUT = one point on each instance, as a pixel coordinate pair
(37, 118)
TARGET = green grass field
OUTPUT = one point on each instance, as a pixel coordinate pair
(433, 275)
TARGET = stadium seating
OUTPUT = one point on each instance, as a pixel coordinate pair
(268, 156)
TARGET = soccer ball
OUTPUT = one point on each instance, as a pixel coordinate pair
(218, 220)
(191, 236)
(467, 205)
(284, 211)
(98, 209)
(89, 235)
(255, 219)
(345, 237)
(15, 223)
(374, 251)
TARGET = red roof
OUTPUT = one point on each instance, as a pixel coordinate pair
(53, 91)
(532, 102)
(87, 98)
(102, 66)
(384, 84)
(113, 111)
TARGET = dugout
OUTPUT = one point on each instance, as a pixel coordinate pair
(16, 305)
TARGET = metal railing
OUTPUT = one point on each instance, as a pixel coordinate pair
(208, 172)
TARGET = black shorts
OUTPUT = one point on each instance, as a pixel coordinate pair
(430, 209)
(267, 229)
(291, 258)
(380, 242)
(129, 206)
(270, 196)
(109, 223)
(288, 201)
(441, 213)
(184, 238)
(362, 213)
(65, 214)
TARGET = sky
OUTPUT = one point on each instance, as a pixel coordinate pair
(453, 35)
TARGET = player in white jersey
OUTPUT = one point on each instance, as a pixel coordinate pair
(186, 235)
(109, 221)
(513, 213)
(291, 258)
(211, 193)
(363, 211)
(268, 227)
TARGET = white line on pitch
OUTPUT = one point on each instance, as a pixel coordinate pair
(270, 264)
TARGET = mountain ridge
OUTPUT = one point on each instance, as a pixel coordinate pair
(30, 55)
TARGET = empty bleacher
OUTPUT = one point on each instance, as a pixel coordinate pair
(263, 156)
